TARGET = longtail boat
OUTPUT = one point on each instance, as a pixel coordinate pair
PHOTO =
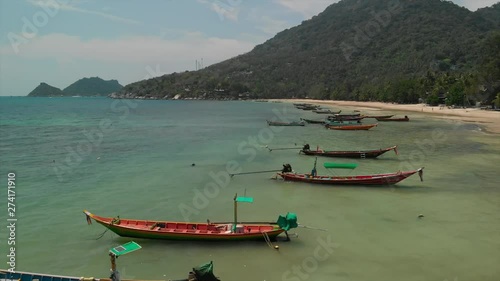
(345, 118)
(348, 115)
(347, 154)
(307, 106)
(209, 231)
(342, 122)
(326, 111)
(378, 116)
(203, 272)
(404, 119)
(313, 121)
(351, 127)
(276, 123)
(376, 179)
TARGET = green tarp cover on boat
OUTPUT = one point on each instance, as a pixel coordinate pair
(125, 248)
(331, 165)
(288, 222)
(244, 199)
(205, 272)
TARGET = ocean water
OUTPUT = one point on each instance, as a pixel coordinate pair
(134, 159)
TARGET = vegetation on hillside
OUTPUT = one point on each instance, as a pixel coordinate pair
(45, 90)
(93, 86)
(371, 50)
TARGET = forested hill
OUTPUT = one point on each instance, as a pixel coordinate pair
(491, 13)
(45, 90)
(93, 86)
(382, 50)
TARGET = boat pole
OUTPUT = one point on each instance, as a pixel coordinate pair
(235, 212)
(115, 275)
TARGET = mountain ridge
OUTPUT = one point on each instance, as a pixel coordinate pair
(46, 90)
(353, 50)
(87, 86)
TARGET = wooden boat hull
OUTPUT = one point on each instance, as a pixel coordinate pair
(272, 123)
(168, 230)
(345, 118)
(351, 127)
(313, 121)
(393, 119)
(6, 275)
(29, 276)
(326, 112)
(379, 116)
(379, 179)
(350, 154)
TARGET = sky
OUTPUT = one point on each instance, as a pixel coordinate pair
(61, 41)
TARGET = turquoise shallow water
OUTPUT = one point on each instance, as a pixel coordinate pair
(133, 159)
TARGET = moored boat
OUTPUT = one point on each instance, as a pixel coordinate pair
(351, 127)
(203, 272)
(209, 231)
(378, 116)
(307, 106)
(405, 119)
(347, 154)
(277, 123)
(326, 111)
(345, 118)
(374, 179)
(313, 121)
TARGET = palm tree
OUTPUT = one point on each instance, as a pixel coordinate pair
(496, 101)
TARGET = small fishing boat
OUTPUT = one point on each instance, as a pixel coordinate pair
(203, 272)
(347, 154)
(277, 123)
(351, 127)
(209, 231)
(378, 116)
(313, 121)
(342, 122)
(348, 115)
(307, 106)
(326, 111)
(405, 119)
(376, 179)
(344, 118)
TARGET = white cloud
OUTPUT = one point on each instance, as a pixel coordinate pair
(476, 4)
(132, 49)
(224, 9)
(308, 8)
(53, 4)
(265, 23)
(271, 26)
(127, 59)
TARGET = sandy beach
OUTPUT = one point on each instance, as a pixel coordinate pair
(488, 120)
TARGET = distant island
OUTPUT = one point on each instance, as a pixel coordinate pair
(45, 90)
(85, 87)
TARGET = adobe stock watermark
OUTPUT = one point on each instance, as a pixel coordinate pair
(221, 179)
(364, 34)
(91, 139)
(322, 252)
(30, 26)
